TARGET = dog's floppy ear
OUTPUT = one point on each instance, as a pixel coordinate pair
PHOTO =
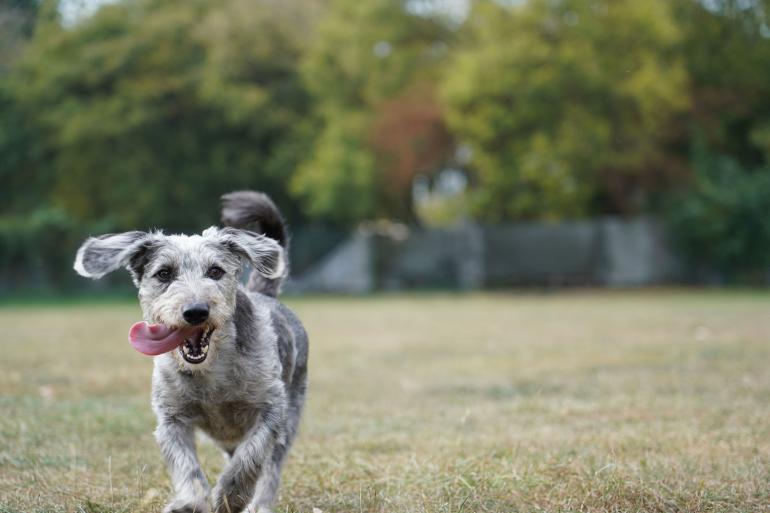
(265, 254)
(106, 253)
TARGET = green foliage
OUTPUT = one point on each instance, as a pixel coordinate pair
(723, 220)
(142, 114)
(564, 103)
(17, 18)
(366, 54)
(338, 182)
(36, 250)
(727, 52)
(149, 110)
(444, 212)
(720, 217)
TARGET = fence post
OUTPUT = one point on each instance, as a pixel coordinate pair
(470, 256)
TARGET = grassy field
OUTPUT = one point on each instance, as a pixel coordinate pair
(585, 401)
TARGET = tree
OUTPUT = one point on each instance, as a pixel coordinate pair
(719, 215)
(727, 51)
(17, 19)
(565, 105)
(368, 58)
(721, 219)
(408, 137)
(21, 181)
(149, 110)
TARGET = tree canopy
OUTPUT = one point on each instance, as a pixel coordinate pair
(150, 105)
(373, 71)
(566, 104)
(143, 113)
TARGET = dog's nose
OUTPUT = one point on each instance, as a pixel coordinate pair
(195, 313)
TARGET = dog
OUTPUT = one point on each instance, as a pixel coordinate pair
(239, 373)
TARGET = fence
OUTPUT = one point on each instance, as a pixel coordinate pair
(603, 252)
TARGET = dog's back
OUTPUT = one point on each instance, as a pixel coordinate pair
(255, 211)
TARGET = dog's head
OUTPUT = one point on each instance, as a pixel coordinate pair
(186, 283)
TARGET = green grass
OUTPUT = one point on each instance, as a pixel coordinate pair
(585, 401)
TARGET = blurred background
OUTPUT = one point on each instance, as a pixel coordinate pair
(475, 145)
(422, 144)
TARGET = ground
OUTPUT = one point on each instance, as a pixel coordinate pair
(581, 401)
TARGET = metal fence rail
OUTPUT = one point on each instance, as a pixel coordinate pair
(605, 252)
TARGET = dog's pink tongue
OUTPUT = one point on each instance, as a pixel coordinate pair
(155, 339)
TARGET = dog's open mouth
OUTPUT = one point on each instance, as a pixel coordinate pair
(195, 348)
(192, 342)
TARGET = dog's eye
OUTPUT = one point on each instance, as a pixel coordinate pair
(164, 275)
(215, 272)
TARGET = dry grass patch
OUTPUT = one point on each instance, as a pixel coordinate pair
(651, 401)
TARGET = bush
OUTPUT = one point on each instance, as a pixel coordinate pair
(723, 220)
(37, 252)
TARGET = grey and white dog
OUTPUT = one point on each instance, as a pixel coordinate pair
(239, 373)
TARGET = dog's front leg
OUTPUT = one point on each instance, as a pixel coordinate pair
(177, 443)
(238, 481)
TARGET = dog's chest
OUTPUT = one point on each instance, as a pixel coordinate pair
(227, 422)
(225, 409)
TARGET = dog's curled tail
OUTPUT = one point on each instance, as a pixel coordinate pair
(256, 212)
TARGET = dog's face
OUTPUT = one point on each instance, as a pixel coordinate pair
(187, 283)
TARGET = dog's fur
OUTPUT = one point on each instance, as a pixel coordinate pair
(247, 395)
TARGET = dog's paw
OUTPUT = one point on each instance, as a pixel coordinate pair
(187, 506)
(228, 499)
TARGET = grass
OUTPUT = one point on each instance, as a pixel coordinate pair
(587, 401)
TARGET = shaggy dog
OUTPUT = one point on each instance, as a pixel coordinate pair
(233, 359)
